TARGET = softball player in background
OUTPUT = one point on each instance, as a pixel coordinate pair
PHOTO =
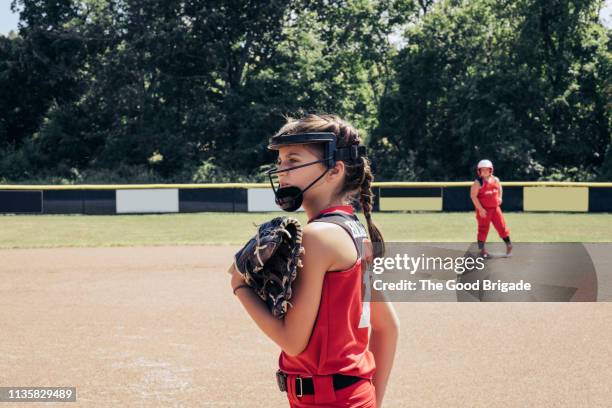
(337, 346)
(486, 194)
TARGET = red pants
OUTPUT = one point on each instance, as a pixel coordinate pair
(495, 216)
(361, 394)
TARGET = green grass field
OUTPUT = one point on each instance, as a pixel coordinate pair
(236, 228)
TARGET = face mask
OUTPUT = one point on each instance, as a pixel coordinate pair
(290, 198)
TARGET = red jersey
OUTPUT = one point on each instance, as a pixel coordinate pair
(488, 195)
(339, 339)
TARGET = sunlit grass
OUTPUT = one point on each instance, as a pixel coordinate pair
(235, 228)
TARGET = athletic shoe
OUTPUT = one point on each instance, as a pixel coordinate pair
(509, 250)
(484, 253)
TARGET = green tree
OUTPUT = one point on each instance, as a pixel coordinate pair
(334, 57)
(508, 81)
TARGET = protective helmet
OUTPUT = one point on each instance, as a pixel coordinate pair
(485, 163)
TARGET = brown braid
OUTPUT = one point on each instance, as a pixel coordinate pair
(367, 200)
(358, 176)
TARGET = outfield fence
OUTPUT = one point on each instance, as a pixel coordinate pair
(245, 197)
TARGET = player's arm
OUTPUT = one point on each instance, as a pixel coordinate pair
(383, 341)
(501, 190)
(474, 196)
(293, 332)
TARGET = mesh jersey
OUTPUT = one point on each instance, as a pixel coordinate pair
(339, 339)
(488, 195)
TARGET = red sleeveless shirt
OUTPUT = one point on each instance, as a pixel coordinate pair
(339, 339)
(488, 195)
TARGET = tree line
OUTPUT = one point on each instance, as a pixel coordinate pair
(129, 91)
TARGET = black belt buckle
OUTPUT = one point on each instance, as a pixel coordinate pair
(281, 380)
(299, 393)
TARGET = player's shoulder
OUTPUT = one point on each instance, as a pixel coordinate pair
(497, 179)
(322, 231)
(326, 242)
(325, 234)
(477, 182)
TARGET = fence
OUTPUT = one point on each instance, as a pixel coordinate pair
(234, 197)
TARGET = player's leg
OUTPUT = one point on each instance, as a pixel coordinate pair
(499, 222)
(483, 231)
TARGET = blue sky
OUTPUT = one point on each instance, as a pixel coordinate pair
(605, 15)
(8, 20)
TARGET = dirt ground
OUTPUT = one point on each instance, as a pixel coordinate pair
(159, 326)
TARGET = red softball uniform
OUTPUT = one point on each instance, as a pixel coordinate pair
(488, 195)
(339, 340)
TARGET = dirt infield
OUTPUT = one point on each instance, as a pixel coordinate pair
(158, 326)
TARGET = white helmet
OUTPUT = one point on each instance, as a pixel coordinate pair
(485, 163)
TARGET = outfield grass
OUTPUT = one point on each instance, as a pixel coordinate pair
(236, 228)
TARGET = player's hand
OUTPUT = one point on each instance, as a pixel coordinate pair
(232, 269)
(236, 277)
(482, 212)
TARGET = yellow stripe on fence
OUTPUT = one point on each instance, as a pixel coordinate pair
(418, 184)
(556, 199)
(411, 204)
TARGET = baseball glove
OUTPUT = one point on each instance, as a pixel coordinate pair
(269, 262)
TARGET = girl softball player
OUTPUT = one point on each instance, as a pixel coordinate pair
(337, 347)
(486, 194)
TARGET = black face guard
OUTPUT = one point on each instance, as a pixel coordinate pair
(290, 198)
